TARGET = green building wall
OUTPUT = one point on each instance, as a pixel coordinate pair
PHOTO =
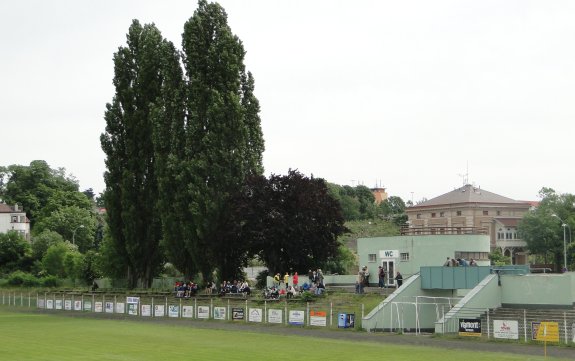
(423, 250)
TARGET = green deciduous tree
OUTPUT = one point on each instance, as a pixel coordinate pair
(179, 142)
(15, 252)
(131, 195)
(542, 231)
(59, 260)
(40, 190)
(224, 142)
(291, 222)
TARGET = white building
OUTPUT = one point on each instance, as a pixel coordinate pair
(13, 218)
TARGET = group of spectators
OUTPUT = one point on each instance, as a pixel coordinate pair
(235, 287)
(459, 262)
(190, 289)
(289, 285)
(185, 289)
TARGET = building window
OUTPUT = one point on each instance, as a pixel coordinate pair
(498, 213)
(418, 215)
(404, 256)
(433, 215)
(442, 214)
(481, 256)
(371, 257)
(485, 213)
(14, 219)
(458, 213)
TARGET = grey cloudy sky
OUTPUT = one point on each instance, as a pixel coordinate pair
(403, 93)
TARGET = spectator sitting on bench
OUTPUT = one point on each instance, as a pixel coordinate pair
(245, 288)
(291, 292)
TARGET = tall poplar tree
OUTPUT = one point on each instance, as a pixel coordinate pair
(131, 195)
(224, 142)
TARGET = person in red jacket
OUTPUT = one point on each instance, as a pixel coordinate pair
(295, 280)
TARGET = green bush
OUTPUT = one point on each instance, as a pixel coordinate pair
(19, 278)
(261, 279)
(50, 281)
(307, 296)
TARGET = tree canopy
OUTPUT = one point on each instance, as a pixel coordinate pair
(182, 135)
(542, 229)
(291, 222)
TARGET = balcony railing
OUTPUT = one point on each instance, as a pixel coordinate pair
(421, 231)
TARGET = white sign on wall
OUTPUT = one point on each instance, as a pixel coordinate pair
(204, 312)
(219, 313)
(159, 311)
(146, 310)
(188, 311)
(388, 253)
(255, 315)
(274, 316)
(506, 329)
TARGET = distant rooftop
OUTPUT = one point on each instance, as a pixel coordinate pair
(469, 194)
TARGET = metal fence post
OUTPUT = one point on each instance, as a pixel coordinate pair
(525, 325)
(565, 328)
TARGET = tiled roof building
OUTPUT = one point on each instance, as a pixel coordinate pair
(473, 208)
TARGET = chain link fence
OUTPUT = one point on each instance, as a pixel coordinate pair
(235, 308)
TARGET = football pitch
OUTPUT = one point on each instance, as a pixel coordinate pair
(37, 336)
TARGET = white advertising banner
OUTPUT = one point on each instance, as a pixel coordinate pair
(87, 305)
(255, 315)
(50, 304)
(68, 305)
(506, 329)
(203, 311)
(173, 311)
(275, 316)
(146, 310)
(41, 303)
(98, 306)
(188, 311)
(219, 313)
(159, 310)
(77, 305)
(109, 307)
(58, 304)
(296, 317)
(120, 307)
(317, 318)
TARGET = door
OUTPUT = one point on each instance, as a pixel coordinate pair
(389, 268)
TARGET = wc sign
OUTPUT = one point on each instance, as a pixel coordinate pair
(390, 253)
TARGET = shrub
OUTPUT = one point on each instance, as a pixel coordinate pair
(307, 296)
(261, 279)
(50, 281)
(19, 278)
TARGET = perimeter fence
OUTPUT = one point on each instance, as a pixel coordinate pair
(233, 309)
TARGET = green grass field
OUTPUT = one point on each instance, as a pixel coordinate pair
(34, 336)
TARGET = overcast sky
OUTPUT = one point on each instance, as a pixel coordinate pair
(407, 94)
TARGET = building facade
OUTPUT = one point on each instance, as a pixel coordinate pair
(13, 218)
(473, 209)
(408, 253)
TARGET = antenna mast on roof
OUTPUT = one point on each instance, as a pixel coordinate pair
(465, 177)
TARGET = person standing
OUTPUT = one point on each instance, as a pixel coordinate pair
(381, 277)
(286, 280)
(447, 263)
(398, 279)
(319, 276)
(295, 280)
(359, 282)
